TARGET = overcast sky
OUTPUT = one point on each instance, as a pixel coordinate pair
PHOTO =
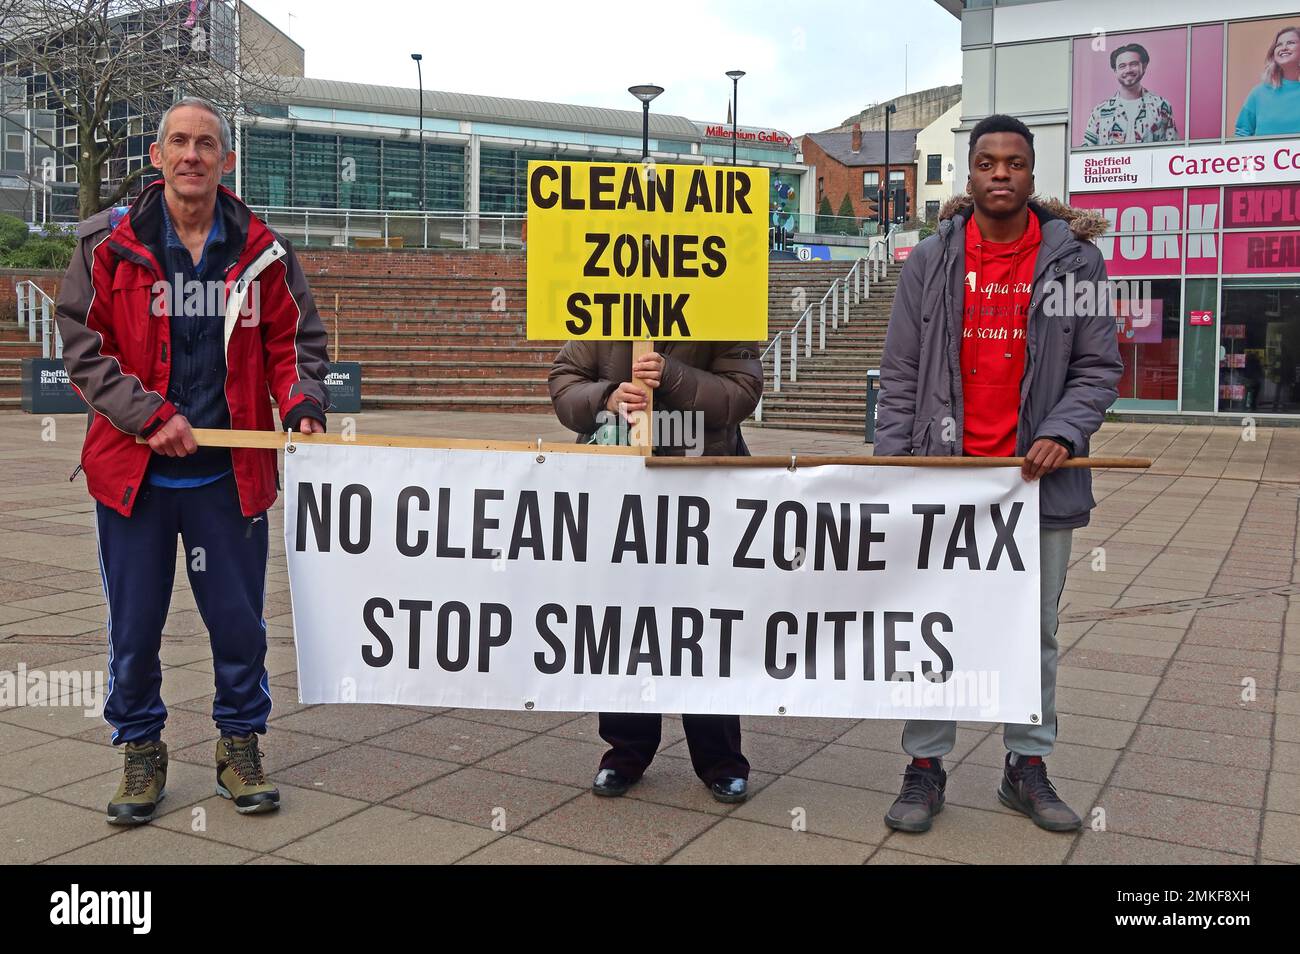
(810, 63)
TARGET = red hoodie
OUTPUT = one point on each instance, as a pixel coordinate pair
(994, 319)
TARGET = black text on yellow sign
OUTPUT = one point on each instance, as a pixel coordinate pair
(631, 251)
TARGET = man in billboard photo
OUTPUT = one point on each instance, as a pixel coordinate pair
(1273, 107)
(1134, 114)
(974, 365)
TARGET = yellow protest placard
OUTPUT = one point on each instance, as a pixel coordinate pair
(626, 251)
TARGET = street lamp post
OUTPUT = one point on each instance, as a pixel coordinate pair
(645, 93)
(735, 117)
(419, 75)
(884, 199)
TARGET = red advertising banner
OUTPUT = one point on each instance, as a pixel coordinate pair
(1261, 253)
(1262, 205)
(1128, 252)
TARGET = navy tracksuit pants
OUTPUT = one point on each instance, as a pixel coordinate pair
(225, 557)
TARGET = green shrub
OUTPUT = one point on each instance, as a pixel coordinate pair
(847, 224)
(51, 249)
(13, 233)
(824, 220)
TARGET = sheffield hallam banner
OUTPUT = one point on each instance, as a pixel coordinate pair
(1168, 167)
(576, 582)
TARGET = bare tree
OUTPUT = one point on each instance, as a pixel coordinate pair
(86, 58)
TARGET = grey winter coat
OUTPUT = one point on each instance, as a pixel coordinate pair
(1072, 362)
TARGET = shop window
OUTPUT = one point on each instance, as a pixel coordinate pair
(1147, 324)
(1259, 348)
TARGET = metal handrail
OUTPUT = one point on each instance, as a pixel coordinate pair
(855, 285)
(31, 298)
(882, 260)
(301, 216)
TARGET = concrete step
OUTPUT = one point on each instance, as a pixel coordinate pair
(832, 427)
(810, 392)
(468, 352)
(479, 387)
(374, 399)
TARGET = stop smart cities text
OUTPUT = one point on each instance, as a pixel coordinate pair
(646, 188)
(784, 535)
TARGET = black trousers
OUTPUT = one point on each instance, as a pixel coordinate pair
(714, 742)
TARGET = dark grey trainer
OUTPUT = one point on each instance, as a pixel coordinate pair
(1026, 788)
(921, 798)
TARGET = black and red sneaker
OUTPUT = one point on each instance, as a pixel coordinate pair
(921, 797)
(1026, 788)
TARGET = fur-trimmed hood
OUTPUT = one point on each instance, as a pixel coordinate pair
(1086, 224)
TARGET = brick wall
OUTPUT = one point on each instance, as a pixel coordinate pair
(48, 279)
(380, 263)
(837, 179)
(415, 263)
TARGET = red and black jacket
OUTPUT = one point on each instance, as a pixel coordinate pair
(117, 344)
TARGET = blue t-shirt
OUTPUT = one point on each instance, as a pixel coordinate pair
(1270, 110)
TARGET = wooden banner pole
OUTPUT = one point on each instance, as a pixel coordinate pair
(275, 440)
(796, 461)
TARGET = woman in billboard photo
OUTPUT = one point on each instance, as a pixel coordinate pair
(1273, 107)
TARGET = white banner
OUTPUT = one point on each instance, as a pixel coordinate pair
(1173, 167)
(577, 582)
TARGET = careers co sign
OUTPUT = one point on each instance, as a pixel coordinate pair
(591, 582)
(632, 251)
(1169, 167)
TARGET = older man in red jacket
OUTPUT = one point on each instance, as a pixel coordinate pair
(186, 311)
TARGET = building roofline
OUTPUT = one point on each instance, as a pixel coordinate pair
(340, 94)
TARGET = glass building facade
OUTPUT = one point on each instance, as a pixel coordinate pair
(335, 147)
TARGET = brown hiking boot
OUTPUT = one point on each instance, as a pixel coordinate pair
(1026, 788)
(241, 778)
(143, 785)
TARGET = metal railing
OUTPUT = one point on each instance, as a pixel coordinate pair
(886, 243)
(405, 229)
(36, 309)
(855, 226)
(856, 285)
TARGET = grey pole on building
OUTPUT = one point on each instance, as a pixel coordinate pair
(645, 93)
(884, 195)
(419, 75)
(735, 91)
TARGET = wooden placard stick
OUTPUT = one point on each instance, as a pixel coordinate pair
(641, 432)
(819, 460)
